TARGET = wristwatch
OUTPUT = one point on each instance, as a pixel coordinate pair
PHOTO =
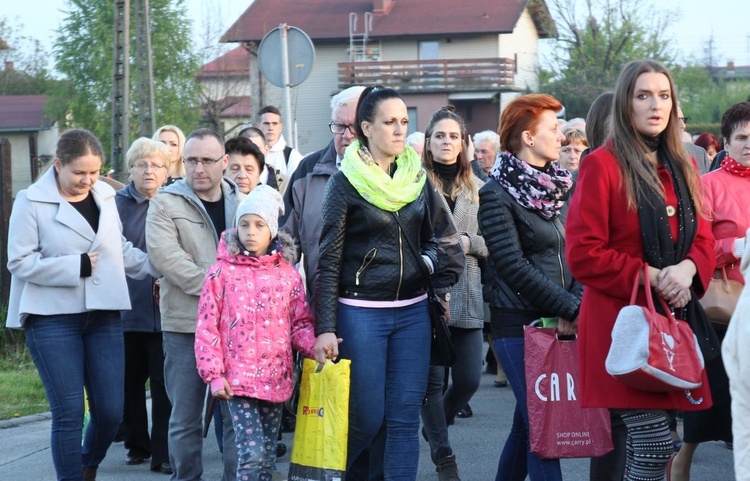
(446, 297)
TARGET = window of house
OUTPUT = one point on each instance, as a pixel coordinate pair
(412, 112)
(429, 50)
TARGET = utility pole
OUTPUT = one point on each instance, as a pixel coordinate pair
(121, 80)
(121, 88)
(146, 108)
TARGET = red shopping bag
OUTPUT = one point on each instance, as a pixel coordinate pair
(558, 426)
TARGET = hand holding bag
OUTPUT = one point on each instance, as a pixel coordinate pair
(720, 299)
(558, 426)
(442, 352)
(653, 352)
(321, 434)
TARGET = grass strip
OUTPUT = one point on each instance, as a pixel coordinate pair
(21, 388)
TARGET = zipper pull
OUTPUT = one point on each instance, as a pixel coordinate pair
(356, 279)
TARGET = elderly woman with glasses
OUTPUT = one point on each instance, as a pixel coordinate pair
(148, 161)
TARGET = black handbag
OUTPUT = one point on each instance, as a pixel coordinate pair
(442, 352)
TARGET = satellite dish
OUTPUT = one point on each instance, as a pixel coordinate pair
(301, 56)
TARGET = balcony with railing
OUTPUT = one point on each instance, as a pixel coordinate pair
(431, 75)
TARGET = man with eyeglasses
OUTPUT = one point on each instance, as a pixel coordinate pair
(281, 157)
(304, 198)
(182, 234)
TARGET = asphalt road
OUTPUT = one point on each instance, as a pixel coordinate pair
(477, 442)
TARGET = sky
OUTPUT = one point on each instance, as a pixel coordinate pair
(726, 20)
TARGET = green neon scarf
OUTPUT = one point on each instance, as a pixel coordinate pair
(377, 187)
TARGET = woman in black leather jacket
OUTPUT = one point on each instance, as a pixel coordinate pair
(518, 216)
(370, 288)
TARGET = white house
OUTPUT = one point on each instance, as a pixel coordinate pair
(32, 137)
(474, 54)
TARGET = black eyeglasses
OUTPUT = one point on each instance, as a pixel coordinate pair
(338, 129)
(684, 119)
(194, 161)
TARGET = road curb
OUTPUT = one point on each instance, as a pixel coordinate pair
(31, 418)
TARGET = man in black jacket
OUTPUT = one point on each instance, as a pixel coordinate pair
(303, 198)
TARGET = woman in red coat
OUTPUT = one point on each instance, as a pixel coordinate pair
(638, 201)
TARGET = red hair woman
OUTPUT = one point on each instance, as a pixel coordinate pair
(519, 210)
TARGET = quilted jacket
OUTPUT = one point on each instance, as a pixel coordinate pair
(527, 266)
(363, 252)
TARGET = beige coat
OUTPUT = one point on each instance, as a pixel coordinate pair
(182, 242)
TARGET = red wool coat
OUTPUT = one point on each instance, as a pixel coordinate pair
(604, 252)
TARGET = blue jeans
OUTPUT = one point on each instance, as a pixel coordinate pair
(71, 351)
(517, 460)
(390, 353)
(187, 392)
(256, 424)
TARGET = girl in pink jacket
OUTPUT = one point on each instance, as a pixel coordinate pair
(252, 311)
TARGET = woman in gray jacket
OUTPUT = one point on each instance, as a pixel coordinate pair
(446, 161)
(68, 262)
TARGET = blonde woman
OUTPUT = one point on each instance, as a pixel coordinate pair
(173, 137)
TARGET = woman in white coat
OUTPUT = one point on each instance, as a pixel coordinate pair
(68, 262)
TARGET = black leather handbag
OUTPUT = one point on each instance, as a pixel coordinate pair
(442, 352)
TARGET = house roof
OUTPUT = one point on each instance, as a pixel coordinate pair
(236, 62)
(23, 113)
(231, 107)
(731, 72)
(326, 20)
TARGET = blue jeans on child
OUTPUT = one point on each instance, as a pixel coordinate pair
(71, 351)
(256, 427)
(390, 353)
(517, 460)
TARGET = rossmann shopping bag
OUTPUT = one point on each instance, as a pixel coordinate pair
(320, 438)
(558, 426)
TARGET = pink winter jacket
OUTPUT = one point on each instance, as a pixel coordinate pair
(252, 311)
(726, 201)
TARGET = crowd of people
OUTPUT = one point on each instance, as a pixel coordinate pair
(221, 258)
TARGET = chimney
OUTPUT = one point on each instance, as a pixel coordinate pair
(382, 7)
(8, 65)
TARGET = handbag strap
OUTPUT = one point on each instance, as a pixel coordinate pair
(649, 295)
(724, 279)
(650, 302)
(415, 251)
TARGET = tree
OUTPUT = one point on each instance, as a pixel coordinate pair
(84, 52)
(596, 39)
(224, 79)
(703, 98)
(23, 62)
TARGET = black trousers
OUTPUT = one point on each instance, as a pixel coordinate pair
(144, 359)
(611, 466)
